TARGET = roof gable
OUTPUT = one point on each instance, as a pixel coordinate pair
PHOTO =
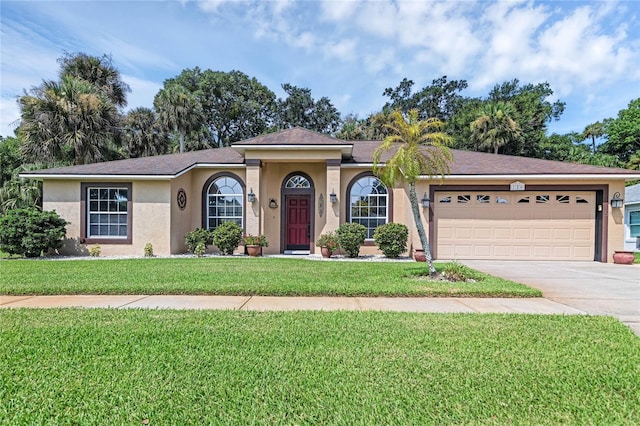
(293, 136)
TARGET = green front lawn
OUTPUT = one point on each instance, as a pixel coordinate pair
(241, 276)
(72, 366)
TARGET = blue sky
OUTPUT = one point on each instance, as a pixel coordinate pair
(349, 51)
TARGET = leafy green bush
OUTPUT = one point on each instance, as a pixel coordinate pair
(391, 238)
(95, 250)
(30, 232)
(200, 235)
(227, 237)
(351, 236)
(200, 249)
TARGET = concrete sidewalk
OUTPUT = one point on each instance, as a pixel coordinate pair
(266, 303)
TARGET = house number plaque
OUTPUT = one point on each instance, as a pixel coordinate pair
(182, 199)
(517, 186)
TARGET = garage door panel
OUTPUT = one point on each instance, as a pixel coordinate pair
(529, 225)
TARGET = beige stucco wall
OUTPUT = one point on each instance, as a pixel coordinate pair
(63, 196)
(181, 220)
(151, 219)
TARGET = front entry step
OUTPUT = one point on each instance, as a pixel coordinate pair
(298, 252)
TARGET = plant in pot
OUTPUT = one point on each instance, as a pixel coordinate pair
(328, 244)
(254, 244)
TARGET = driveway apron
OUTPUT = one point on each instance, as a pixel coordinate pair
(594, 287)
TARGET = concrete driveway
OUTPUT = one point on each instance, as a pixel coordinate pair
(594, 287)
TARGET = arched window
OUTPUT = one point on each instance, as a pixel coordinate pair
(369, 203)
(297, 181)
(224, 198)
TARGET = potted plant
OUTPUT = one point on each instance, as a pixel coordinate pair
(254, 244)
(328, 244)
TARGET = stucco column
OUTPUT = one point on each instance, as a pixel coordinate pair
(333, 186)
(252, 215)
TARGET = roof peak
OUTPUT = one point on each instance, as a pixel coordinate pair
(293, 136)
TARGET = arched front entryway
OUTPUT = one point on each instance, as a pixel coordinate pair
(297, 213)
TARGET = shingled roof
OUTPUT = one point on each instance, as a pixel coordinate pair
(465, 163)
(294, 136)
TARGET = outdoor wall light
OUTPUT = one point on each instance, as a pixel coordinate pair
(333, 197)
(616, 201)
(273, 203)
(251, 197)
(425, 201)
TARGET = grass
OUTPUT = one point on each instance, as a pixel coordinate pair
(637, 255)
(71, 366)
(241, 276)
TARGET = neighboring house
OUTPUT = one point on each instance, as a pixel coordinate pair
(296, 184)
(632, 217)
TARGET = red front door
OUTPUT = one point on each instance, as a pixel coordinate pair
(298, 222)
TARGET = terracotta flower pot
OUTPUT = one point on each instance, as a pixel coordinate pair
(254, 250)
(623, 257)
(326, 253)
(419, 256)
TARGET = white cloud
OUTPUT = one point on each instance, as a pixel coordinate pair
(341, 10)
(344, 50)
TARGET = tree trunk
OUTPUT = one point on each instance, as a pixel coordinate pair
(415, 209)
(181, 142)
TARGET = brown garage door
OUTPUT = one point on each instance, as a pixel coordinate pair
(546, 225)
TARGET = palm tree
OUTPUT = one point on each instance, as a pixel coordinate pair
(593, 131)
(99, 71)
(18, 193)
(142, 134)
(179, 111)
(67, 120)
(419, 147)
(494, 126)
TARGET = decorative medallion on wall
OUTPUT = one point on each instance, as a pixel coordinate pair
(182, 199)
(320, 204)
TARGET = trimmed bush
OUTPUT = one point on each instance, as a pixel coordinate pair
(29, 231)
(148, 250)
(200, 235)
(227, 237)
(391, 239)
(351, 236)
(95, 250)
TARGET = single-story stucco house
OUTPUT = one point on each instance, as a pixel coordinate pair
(296, 184)
(632, 217)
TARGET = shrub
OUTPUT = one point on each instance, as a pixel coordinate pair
(148, 250)
(200, 249)
(256, 240)
(391, 238)
(351, 236)
(201, 235)
(30, 232)
(95, 250)
(227, 237)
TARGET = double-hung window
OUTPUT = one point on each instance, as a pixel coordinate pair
(106, 216)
